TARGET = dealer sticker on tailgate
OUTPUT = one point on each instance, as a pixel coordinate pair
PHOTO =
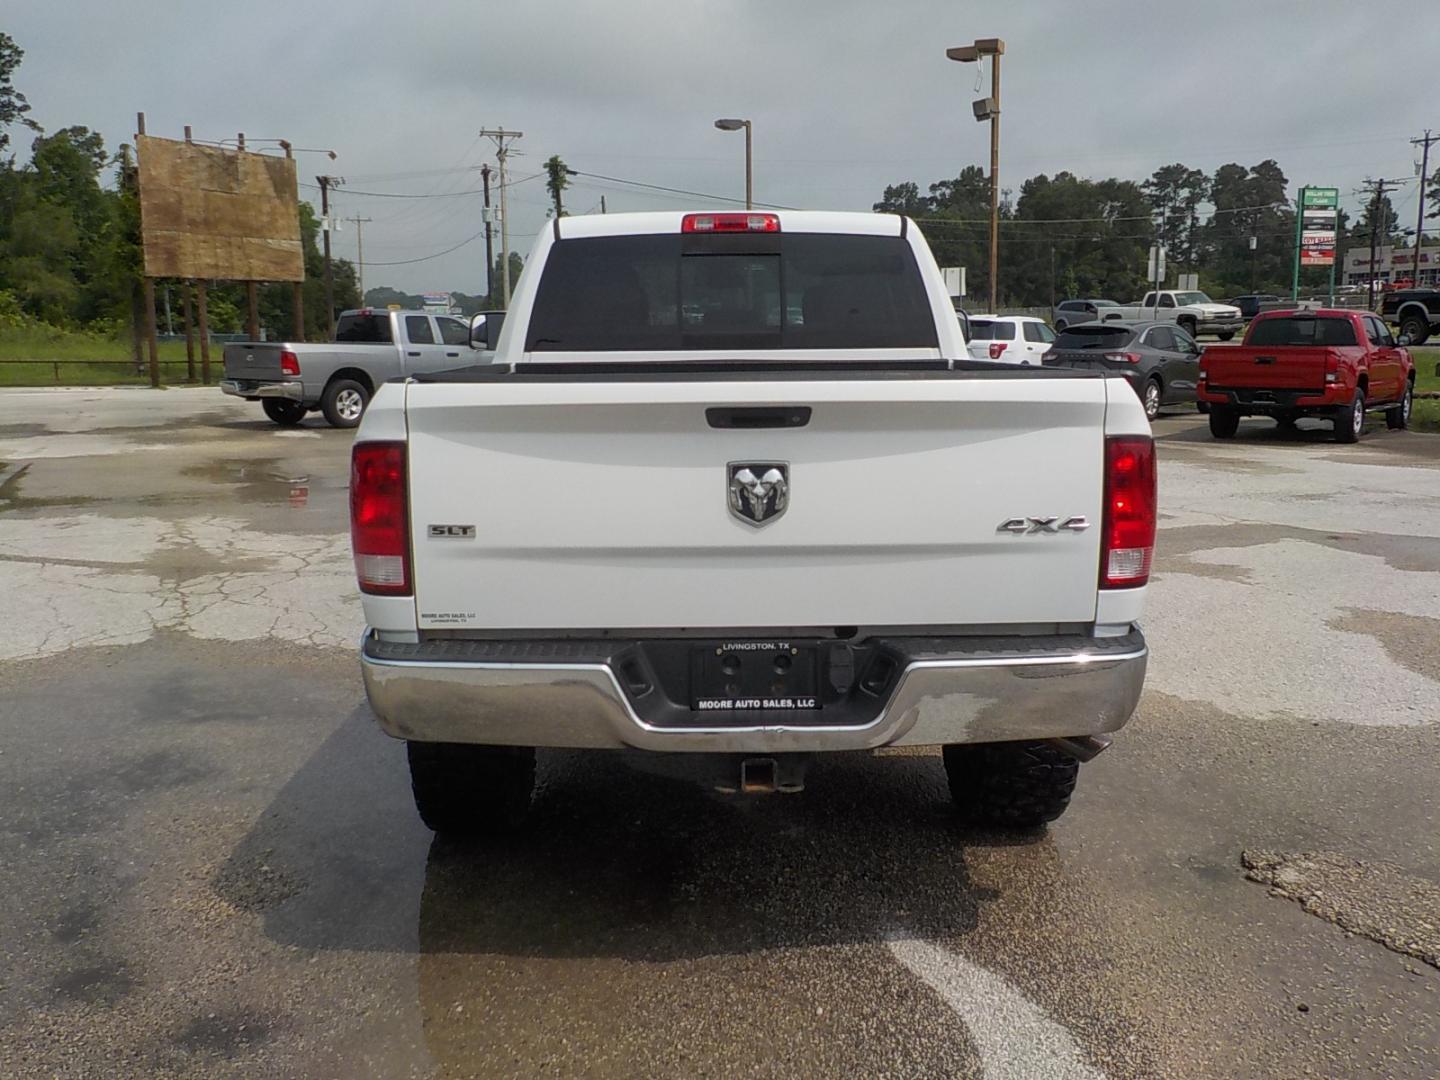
(743, 676)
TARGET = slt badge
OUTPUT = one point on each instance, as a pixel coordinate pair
(759, 490)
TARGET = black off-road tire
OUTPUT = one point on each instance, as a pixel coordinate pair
(1223, 422)
(285, 413)
(1350, 419)
(466, 790)
(344, 402)
(1225, 335)
(1417, 328)
(1397, 417)
(1012, 785)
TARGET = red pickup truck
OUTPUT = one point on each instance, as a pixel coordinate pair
(1328, 363)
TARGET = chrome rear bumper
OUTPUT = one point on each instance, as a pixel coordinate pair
(559, 694)
(252, 388)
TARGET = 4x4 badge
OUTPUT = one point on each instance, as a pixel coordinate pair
(759, 491)
(1029, 526)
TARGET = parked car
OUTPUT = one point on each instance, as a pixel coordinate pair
(702, 539)
(1415, 312)
(1013, 339)
(963, 316)
(1330, 363)
(1161, 362)
(1069, 312)
(1192, 311)
(1251, 304)
(291, 379)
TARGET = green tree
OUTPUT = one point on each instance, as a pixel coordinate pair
(557, 179)
(1175, 193)
(1249, 202)
(1071, 236)
(904, 199)
(13, 106)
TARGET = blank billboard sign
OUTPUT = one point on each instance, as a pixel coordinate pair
(218, 214)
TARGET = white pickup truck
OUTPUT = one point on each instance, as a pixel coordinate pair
(1192, 311)
(733, 489)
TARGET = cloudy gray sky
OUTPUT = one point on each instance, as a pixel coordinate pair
(846, 96)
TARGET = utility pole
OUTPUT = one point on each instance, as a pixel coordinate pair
(1378, 188)
(502, 138)
(989, 109)
(485, 171)
(360, 254)
(326, 183)
(1420, 214)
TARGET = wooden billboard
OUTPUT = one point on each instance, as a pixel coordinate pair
(216, 214)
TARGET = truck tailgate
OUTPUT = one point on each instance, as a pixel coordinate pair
(253, 360)
(605, 504)
(1269, 367)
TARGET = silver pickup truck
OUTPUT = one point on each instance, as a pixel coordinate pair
(290, 379)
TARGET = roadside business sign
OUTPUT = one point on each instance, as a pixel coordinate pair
(1318, 209)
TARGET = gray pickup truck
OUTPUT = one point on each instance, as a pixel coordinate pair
(290, 379)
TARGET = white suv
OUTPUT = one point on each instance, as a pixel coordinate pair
(1010, 339)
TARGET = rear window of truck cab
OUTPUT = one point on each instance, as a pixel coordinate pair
(1302, 330)
(688, 292)
(363, 328)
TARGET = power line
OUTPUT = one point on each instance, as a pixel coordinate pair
(436, 255)
(676, 191)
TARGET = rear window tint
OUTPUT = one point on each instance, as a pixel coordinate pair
(363, 329)
(992, 331)
(1092, 337)
(668, 292)
(1302, 331)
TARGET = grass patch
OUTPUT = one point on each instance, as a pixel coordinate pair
(33, 357)
(1425, 377)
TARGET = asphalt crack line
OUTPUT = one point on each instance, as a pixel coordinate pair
(1017, 1039)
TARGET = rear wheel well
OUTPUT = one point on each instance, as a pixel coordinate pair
(359, 376)
(1363, 383)
(1413, 308)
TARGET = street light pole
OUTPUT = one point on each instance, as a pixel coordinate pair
(736, 125)
(989, 109)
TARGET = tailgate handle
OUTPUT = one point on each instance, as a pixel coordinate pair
(1264, 359)
(758, 416)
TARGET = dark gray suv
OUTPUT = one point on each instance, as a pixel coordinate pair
(1160, 361)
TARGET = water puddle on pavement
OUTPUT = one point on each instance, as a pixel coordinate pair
(262, 481)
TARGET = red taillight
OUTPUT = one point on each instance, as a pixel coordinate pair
(997, 349)
(1128, 533)
(289, 363)
(1123, 357)
(713, 223)
(379, 519)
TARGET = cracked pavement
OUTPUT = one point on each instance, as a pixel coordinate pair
(218, 872)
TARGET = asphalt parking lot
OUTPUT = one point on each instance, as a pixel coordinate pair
(213, 867)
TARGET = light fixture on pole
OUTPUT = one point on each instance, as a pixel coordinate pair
(736, 125)
(988, 108)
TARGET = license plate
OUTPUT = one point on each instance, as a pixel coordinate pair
(754, 676)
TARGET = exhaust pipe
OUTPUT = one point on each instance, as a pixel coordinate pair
(1082, 747)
